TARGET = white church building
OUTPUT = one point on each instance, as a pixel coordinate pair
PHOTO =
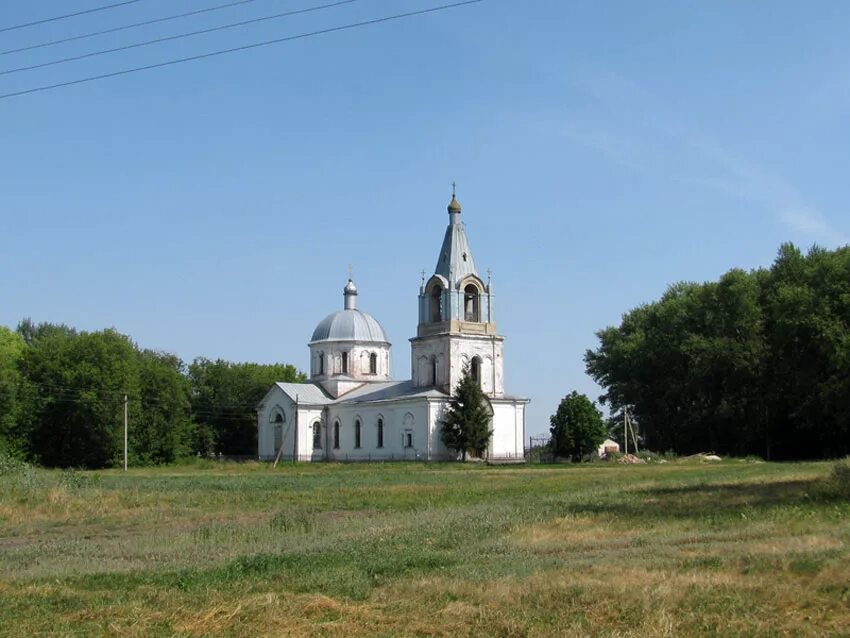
(352, 410)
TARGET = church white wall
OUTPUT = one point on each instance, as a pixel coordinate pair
(422, 353)
(400, 418)
(276, 402)
(439, 452)
(421, 418)
(452, 354)
(508, 429)
(490, 351)
(307, 418)
(358, 360)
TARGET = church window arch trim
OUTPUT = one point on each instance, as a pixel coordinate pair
(475, 369)
(379, 425)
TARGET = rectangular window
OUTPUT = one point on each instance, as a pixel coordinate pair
(408, 439)
(278, 437)
(380, 433)
(345, 363)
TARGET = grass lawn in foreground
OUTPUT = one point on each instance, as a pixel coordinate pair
(675, 549)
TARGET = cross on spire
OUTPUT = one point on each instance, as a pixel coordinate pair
(454, 188)
(350, 271)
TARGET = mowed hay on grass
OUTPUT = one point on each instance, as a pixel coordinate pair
(406, 549)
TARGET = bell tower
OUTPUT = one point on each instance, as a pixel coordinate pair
(457, 325)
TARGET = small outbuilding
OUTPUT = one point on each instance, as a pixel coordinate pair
(608, 446)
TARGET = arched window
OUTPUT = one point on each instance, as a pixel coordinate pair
(336, 435)
(373, 363)
(357, 433)
(436, 304)
(317, 436)
(475, 369)
(345, 363)
(433, 370)
(380, 432)
(470, 303)
(321, 367)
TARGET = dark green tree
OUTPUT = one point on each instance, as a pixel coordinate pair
(163, 431)
(224, 400)
(577, 427)
(12, 436)
(76, 385)
(466, 424)
(754, 363)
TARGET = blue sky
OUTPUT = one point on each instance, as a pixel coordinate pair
(602, 151)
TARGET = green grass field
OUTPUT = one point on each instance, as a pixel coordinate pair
(676, 549)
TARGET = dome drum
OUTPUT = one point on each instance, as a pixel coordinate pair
(349, 345)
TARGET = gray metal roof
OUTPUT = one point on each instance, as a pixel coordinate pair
(312, 393)
(386, 391)
(309, 393)
(349, 325)
(455, 254)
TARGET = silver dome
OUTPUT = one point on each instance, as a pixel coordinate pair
(349, 325)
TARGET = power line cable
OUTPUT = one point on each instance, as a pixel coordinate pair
(64, 391)
(179, 36)
(69, 15)
(246, 47)
(125, 27)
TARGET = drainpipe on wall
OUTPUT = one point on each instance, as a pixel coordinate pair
(295, 441)
(325, 418)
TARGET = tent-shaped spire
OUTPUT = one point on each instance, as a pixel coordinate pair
(455, 261)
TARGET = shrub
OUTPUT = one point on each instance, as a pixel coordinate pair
(17, 474)
(839, 479)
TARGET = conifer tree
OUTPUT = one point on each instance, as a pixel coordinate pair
(466, 425)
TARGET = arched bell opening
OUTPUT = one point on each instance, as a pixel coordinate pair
(436, 304)
(471, 303)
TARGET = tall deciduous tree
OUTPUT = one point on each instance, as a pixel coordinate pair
(62, 394)
(163, 430)
(577, 427)
(224, 400)
(12, 436)
(466, 424)
(755, 363)
(77, 384)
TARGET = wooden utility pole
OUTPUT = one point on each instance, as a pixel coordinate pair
(125, 432)
(634, 434)
(626, 430)
(629, 427)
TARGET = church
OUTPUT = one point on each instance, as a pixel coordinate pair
(352, 410)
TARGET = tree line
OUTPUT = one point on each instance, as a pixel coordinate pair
(757, 362)
(62, 399)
